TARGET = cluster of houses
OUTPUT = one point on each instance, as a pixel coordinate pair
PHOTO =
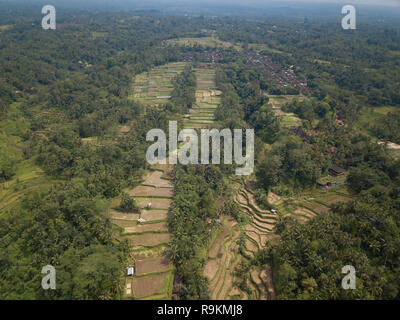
(281, 76)
(337, 176)
(212, 55)
(209, 55)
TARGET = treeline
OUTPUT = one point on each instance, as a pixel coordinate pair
(309, 258)
(74, 84)
(192, 219)
(183, 95)
(73, 77)
(68, 229)
(68, 226)
(388, 128)
(364, 233)
(243, 103)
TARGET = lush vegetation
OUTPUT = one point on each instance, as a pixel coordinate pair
(65, 95)
(363, 233)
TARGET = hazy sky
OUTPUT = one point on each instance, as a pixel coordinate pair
(244, 3)
(374, 2)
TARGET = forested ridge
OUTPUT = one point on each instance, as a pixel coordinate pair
(65, 87)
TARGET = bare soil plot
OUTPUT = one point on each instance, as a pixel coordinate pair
(150, 265)
(321, 209)
(253, 290)
(147, 286)
(124, 223)
(315, 207)
(251, 247)
(141, 191)
(211, 269)
(252, 201)
(156, 203)
(148, 239)
(305, 213)
(234, 294)
(167, 175)
(153, 227)
(216, 245)
(229, 277)
(252, 228)
(223, 271)
(155, 178)
(229, 222)
(203, 41)
(164, 167)
(393, 146)
(274, 198)
(264, 239)
(328, 201)
(124, 216)
(266, 277)
(223, 279)
(260, 285)
(257, 239)
(128, 286)
(150, 215)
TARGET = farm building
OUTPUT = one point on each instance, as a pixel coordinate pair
(130, 271)
(336, 171)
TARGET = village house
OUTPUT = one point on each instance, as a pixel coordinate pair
(130, 271)
(337, 176)
(336, 171)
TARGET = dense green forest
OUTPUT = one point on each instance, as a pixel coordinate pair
(65, 95)
(67, 87)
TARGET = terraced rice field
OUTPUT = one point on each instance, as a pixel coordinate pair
(207, 100)
(224, 255)
(288, 120)
(154, 87)
(211, 42)
(148, 236)
(28, 179)
(313, 203)
(308, 205)
(147, 232)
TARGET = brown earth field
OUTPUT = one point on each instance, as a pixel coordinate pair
(148, 239)
(150, 215)
(164, 167)
(333, 200)
(216, 245)
(155, 227)
(141, 191)
(156, 203)
(149, 285)
(150, 265)
(273, 198)
(124, 223)
(154, 178)
(211, 269)
(124, 216)
(305, 212)
(321, 209)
